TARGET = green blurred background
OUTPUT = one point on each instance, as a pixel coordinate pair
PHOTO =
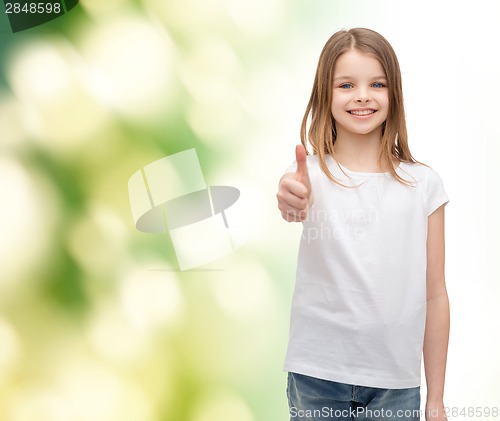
(96, 321)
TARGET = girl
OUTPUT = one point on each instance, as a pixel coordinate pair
(370, 294)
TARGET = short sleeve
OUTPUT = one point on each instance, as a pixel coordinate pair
(436, 194)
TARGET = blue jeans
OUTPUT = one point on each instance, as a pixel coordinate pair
(312, 399)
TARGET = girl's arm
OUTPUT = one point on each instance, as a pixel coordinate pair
(438, 318)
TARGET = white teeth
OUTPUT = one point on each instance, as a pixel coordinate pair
(362, 112)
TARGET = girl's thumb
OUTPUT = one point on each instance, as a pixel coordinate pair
(300, 156)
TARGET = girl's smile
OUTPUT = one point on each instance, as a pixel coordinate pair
(362, 112)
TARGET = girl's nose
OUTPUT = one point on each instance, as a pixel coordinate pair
(362, 96)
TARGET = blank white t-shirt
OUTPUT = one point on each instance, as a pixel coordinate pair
(359, 304)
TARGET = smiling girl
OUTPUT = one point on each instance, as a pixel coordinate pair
(370, 295)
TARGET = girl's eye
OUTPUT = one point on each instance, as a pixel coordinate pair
(378, 85)
(345, 86)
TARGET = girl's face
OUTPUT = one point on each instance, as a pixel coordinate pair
(360, 101)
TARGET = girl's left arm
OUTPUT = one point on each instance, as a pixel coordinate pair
(437, 327)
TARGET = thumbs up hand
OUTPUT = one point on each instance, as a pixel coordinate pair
(294, 192)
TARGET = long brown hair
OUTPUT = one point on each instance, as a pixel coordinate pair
(322, 133)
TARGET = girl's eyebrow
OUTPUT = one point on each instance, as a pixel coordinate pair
(350, 77)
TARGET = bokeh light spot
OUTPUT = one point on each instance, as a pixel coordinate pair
(26, 223)
(10, 350)
(38, 403)
(47, 76)
(152, 299)
(98, 239)
(245, 293)
(132, 57)
(96, 393)
(221, 405)
(112, 335)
